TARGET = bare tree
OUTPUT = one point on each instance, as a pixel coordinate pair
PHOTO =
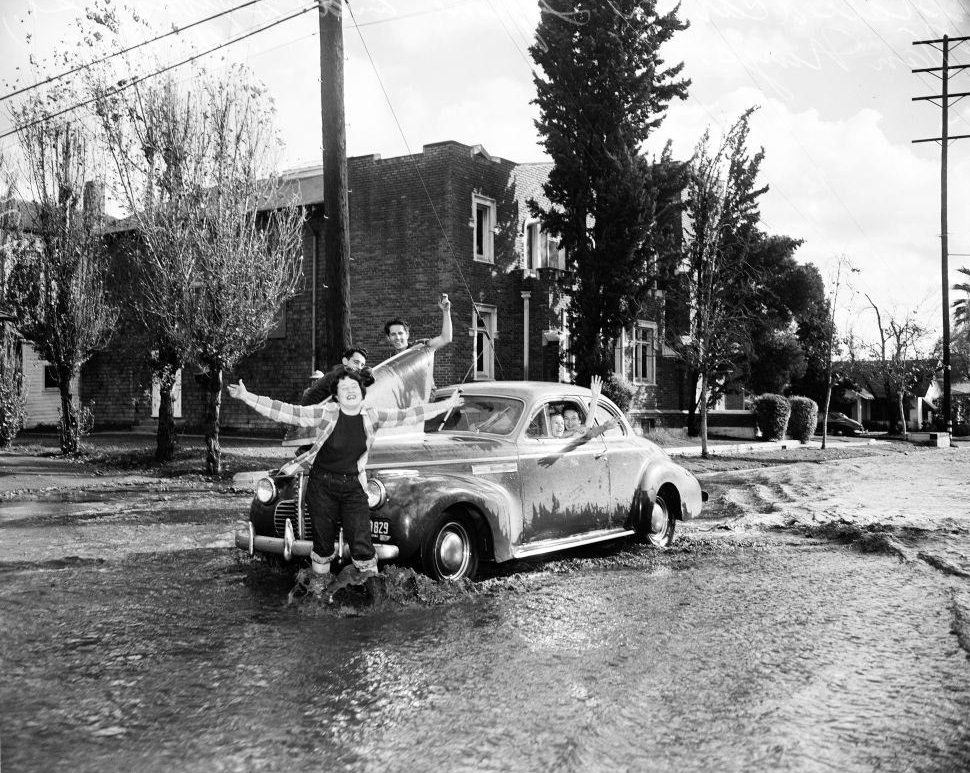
(721, 215)
(832, 343)
(13, 391)
(897, 356)
(57, 284)
(217, 246)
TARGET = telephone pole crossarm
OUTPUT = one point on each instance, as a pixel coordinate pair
(948, 138)
(954, 95)
(939, 69)
(944, 39)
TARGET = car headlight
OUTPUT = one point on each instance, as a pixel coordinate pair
(265, 490)
(376, 493)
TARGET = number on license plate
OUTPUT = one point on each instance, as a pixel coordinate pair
(380, 529)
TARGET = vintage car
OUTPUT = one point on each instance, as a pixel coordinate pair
(489, 482)
(840, 424)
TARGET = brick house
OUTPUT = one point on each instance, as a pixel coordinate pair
(451, 219)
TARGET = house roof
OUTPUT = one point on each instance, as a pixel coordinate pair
(868, 378)
(19, 214)
(303, 186)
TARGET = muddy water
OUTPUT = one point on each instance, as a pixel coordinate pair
(758, 651)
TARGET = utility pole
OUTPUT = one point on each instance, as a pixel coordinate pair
(334, 280)
(944, 45)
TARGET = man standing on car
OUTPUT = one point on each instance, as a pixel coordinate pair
(398, 332)
(354, 359)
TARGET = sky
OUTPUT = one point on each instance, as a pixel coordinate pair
(832, 80)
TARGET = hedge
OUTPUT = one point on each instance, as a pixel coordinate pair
(803, 419)
(771, 414)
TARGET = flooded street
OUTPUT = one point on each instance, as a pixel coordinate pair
(784, 631)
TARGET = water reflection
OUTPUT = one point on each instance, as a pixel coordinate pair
(805, 657)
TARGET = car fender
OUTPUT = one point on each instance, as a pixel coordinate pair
(415, 503)
(659, 472)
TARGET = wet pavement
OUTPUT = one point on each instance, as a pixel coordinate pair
(787, 630)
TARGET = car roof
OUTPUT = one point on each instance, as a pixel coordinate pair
(524, 390)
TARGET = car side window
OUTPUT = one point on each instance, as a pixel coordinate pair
(537, 427)
(603, 415)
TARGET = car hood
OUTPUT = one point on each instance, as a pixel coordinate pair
(436, 447)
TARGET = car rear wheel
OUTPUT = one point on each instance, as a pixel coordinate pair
(450, 551)
(657, 524)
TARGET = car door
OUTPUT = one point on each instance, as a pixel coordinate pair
(565, 483)
(626, 454)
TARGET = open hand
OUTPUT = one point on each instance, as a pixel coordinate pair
(238, 391)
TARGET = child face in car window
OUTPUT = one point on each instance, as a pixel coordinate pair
(557, 425)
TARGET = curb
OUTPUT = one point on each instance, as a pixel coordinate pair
(771, 445)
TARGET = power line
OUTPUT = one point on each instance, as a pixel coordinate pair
(124, 85)
(792, 135)
(400, 16)
(417, 169)
(889, 45)
(87, 65)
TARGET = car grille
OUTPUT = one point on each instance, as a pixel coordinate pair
(287, 509)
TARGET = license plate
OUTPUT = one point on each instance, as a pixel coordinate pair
(380, 530)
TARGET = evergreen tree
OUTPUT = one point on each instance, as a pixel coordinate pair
(602, 90)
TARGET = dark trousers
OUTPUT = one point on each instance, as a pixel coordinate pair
(336, 500)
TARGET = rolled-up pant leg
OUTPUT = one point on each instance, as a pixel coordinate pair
(324, 508)
(335, 500)
(356, 521)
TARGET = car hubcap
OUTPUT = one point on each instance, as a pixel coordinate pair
(453, 548)
(658, 518)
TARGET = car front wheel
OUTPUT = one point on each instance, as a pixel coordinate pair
(450, 551)
(657, 524)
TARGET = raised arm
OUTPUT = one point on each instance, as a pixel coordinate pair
(596, 387)
(285, 413)
(445, 338)
(419, 413)
(589, 429)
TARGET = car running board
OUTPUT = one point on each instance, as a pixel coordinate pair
(564, 543)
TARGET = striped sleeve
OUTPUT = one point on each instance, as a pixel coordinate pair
(395, 417)
(286, 413)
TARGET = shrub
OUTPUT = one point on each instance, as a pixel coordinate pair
(803, 418)
(771, 415)
(961, 429)
(620, 390)
(13, 404)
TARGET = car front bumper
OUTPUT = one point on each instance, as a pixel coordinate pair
(288, 546)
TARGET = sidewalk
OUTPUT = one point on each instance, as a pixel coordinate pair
(46, 473)
(754, 446)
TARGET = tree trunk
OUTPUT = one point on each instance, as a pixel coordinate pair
(902, 415)
(703, 411)
(693, 429)
(825, 415)
(70, 435)
(165, 444)
(213, 453)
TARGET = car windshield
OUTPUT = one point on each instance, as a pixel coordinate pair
(497, 415)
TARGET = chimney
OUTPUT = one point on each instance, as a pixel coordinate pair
(93, 204)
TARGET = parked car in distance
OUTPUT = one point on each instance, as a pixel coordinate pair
(840, 424)
(490, 482)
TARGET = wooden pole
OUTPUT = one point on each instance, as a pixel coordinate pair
(334, 280)
(944, 242)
